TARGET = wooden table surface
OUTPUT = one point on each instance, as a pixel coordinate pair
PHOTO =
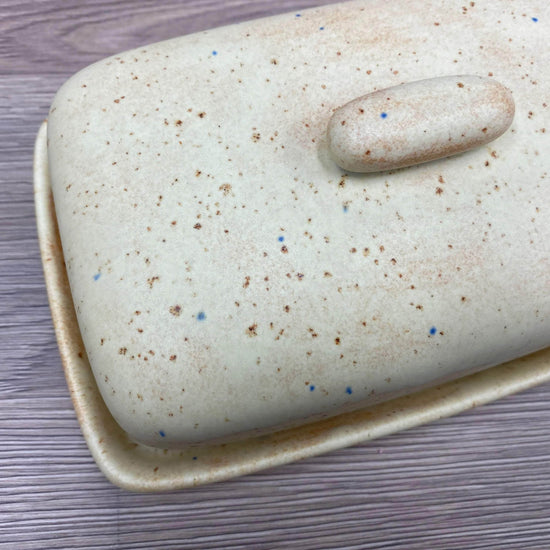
(478, 480)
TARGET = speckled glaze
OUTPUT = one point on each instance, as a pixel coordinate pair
(229, 278)
(418, 122)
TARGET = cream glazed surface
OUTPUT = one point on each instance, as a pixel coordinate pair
(228, 276)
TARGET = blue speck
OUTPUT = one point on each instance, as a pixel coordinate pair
(281, 239)
(97, 276)
(214, 52)
(349, 391)
(298, 15)
(535, 19)
(201, 316)
(383, 115)
(346, 208)
(194, 458)
(321, 28)
(433, 330)
(312, 388)
(162, 434)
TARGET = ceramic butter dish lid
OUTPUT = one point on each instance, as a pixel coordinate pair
(295, 218)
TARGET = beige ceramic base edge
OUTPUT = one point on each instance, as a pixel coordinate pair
(139, 468)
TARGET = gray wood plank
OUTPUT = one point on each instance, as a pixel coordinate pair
(480, 480)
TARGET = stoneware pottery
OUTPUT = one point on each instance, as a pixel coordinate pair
(277, 238)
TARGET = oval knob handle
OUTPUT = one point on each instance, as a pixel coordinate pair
(419, 122)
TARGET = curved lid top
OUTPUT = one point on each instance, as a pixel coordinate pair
(228, 275)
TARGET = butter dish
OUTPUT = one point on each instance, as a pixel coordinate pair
(228, 295)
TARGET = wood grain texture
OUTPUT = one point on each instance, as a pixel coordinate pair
(479, 480)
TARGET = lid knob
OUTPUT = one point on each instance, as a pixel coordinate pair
(419, 122)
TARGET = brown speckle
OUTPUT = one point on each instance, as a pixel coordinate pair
(251, 330)
(225, 188)
(152, 280)
(197, 226)
(337, 341)
(175, 310)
